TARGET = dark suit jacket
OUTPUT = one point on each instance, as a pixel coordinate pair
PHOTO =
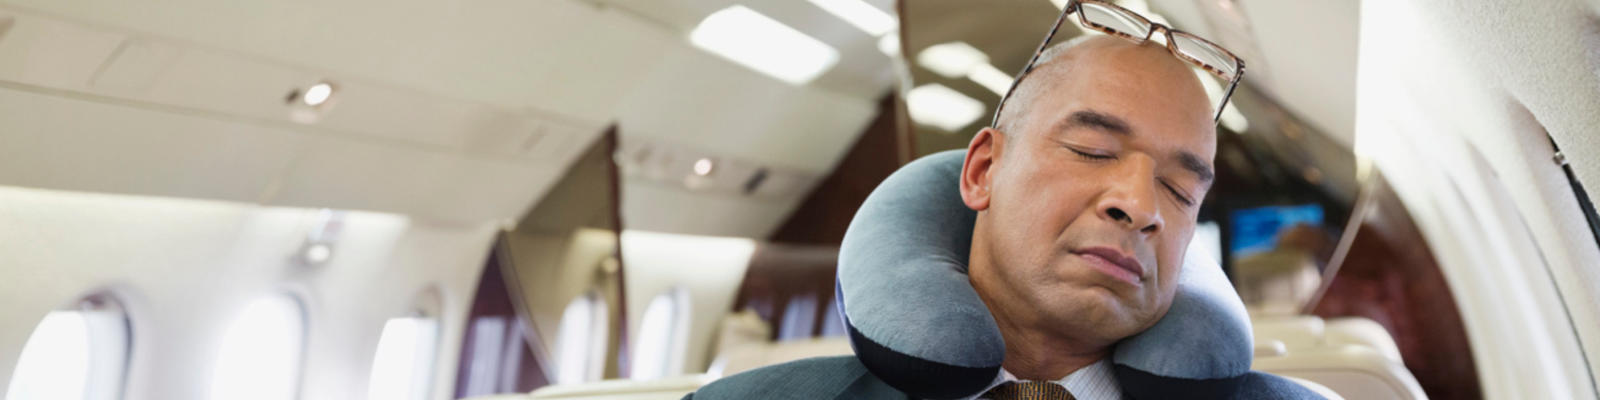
(843, 377)
(823, 378)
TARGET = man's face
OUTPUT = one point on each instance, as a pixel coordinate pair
(1090, 204)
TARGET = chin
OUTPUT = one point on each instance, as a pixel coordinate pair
(1099, 310)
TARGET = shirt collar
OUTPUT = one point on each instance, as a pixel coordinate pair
(1092, 382)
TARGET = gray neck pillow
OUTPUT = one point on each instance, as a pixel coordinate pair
(915, 321)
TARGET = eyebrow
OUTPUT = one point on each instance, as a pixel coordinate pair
(1193, 163)
(1098, 120)
(1112, 124)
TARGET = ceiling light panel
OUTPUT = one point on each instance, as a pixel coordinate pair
(753, 40)
(991, 78)
(951, 60)
(856, 12)
(939, 106)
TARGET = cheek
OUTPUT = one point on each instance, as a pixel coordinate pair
(1044, 203)
(1171, 251)
(1050, 188)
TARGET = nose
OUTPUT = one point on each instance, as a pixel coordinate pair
(1129, 200)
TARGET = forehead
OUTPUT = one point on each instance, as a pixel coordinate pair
(1156, 94)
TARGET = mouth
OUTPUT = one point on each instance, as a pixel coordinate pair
(1113, 262)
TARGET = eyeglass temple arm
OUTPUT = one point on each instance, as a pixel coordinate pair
(1071, 6)
(1226, 97)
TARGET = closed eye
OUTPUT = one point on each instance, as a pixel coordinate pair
(1092, 156)
(1177, 194)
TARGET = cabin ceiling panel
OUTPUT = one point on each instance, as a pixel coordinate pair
(505, 52)
(589, 78)
(480, 190)
(424, 87)
(335, 171)
(683, 15)
(72, 144)
(676, 15)
(170, 75)
(340, 173)
(744, 114)
(650, 206)
(52, 52)
(1310, 48)
(863, 70)
(62, 142)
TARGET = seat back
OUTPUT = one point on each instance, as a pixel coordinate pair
(673, 388)
(734, 359)
(752, 356)
(1352, 371)
(1361, 331)
(1298, 332)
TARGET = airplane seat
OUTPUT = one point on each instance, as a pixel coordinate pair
(1297, 332)
(734, 360)
(1361, 331)
(1321, 390)
(672, 388)
(741, 329)
(742, 345)
(745, 358)
(1352, 371)
(1306, 331)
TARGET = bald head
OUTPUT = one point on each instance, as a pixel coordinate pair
(1107, 60)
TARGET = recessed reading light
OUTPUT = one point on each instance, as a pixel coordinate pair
(318, 253)
(317, 94)
(889, 44)
(703, 167)
(751, 39)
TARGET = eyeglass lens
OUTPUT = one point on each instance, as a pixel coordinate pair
(1213, 59)
(1115, 21)
(1124, 23)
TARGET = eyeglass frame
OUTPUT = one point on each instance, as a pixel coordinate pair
(1076, 6)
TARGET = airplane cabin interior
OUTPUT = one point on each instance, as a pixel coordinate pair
(633, 199)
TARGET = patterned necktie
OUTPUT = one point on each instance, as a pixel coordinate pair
(1029, 390)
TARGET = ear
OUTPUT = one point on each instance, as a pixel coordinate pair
(976, 169)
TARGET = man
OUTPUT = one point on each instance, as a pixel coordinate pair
(1087, 195)
(1086, 202)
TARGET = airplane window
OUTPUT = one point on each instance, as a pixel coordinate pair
(798, 318)
(79, 353)
(832, 324)
(580, 345)
(260, 353)
(403, 366)
(663, 334)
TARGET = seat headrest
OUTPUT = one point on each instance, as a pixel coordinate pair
(916, 322)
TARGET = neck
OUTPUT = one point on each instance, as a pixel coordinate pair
(1033, 354)
(1036, 349)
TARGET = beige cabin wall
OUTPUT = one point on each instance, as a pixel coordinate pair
(709, 269)
(185, 268)
(552, 269)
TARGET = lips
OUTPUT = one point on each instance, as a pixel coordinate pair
(1116, 258)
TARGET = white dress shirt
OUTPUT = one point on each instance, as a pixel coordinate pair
(1092, 382)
